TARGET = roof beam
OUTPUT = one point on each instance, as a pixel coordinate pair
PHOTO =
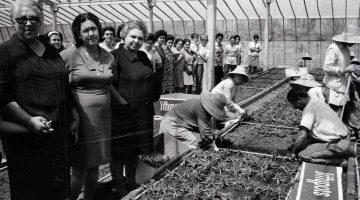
(258, 17)
(173, 25)
(183, 22)
(162, 21)
(197, 14)
(113, 13)
(247, 17)
(237, 26)
(187, 15)
(130, 12)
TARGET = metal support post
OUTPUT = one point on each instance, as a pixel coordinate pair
(208, 81)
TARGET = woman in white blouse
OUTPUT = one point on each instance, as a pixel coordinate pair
(255, 48)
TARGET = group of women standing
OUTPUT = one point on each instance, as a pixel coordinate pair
(228, 57)
(81, 108)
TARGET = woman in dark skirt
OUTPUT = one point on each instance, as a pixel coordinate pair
(132, 124)
(35, 94)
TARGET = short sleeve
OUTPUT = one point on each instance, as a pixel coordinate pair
(308, 118)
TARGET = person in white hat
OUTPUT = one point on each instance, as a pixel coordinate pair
(337, 66)
(193, 117)
(227, 87)
(308, 83)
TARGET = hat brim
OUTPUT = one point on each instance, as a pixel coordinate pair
(355, 62)
(306, 58)
(210, 107)
(306, 83)
(351, 39)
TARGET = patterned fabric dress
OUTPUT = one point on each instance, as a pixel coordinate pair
(168, 79)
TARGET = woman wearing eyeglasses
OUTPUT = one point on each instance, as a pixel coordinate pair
(34, 94)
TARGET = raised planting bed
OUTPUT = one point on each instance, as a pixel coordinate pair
(278, 111)
(225, 175)
(317, 72)
(260, 83)
(261, 138)
(246, 92)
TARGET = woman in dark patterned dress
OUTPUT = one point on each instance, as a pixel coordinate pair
(168, 80)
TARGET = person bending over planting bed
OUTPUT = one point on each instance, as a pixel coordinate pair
(227, 88)
(193, 117)
(322, 137)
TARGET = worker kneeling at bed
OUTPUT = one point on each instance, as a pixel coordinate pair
(193, 117)
(322, 138)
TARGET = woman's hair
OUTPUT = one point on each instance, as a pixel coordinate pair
(295, 94)
(118, 31)
(186, 40)
(51, 33)
(219, 35)
(194, 35)
(18, 4)
(108, 28)
(178, 40)
(160, 33)
(169, 37)
(150, 37)
(232, 37)
(256, 36)
(76, 26)
(237, 36)
(133, 24)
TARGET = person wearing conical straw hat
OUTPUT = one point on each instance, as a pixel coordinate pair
(193, 117)
(337, 66)
(314, 89)
(227, 87)
(302, 62)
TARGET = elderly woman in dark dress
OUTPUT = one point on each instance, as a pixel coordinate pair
(132, 125)
(90, 76)
(34, 91)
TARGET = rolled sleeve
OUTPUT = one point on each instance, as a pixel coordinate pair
(329, 63)
(308, 119)
(203, 125)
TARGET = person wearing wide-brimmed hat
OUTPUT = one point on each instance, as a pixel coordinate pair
(302, 62)
(227, 87)
(193, 117)
(313, 88)
(337, 65)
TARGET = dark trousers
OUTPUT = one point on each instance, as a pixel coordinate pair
(219, 74)
(199, 71)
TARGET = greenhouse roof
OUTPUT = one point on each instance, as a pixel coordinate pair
(111, 11)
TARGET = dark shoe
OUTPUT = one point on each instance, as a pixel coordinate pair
(131, 185)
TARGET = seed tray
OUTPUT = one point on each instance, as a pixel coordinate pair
(225, 175)
(261, 138)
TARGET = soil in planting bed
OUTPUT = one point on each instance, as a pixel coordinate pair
(155, 160)
(260, 83)
(277, 75)
(209, 175)
(261, 138)
(4, 186)
(245, 93)
(278, 111)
